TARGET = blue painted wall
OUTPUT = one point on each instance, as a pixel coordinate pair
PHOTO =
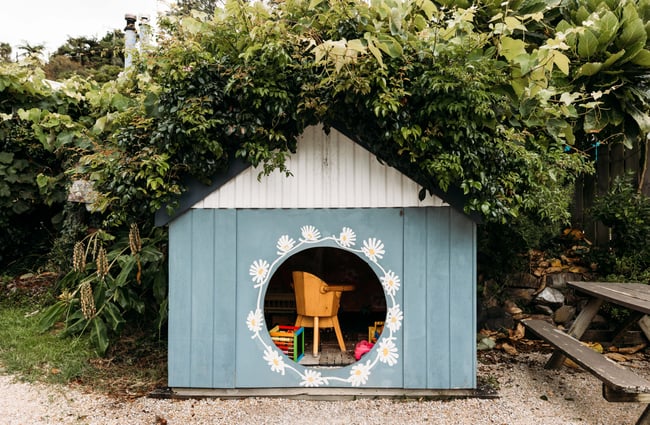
(216, 340)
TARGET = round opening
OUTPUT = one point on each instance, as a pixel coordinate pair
(359, 310)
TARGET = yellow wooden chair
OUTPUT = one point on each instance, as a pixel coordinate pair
(317, 305)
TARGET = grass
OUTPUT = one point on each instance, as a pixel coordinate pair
(134, 365)
(36, 356)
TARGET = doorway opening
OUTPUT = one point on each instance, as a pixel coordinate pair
(359, 310)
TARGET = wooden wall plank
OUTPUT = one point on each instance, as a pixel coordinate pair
(225, 298)
(179, 323)
(202, 295)
(415, 360)
(462, 302)
(437, 298)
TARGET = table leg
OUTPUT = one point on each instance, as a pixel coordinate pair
(576, 330)
(316, 332)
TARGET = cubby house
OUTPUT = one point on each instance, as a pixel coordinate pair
(351, 220)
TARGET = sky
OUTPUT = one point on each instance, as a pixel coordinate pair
(52, 22)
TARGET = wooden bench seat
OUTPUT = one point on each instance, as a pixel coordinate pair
(620, 383)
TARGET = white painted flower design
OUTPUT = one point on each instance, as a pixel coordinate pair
(259, 270)
(394, 318)
(359, 374)
(310, 233)
(347, 238)
(386, 349)
(391, 283)
(313, 378)
(254, 321)
(387, 352)
(274, 360)
(373, 249)
(285, 244)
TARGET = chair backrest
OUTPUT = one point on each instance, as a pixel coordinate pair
(310, 301)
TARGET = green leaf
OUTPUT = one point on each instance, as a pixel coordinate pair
(511, 48)
(526, 62)
(100, 124)
(587, 44)
(512, 23)
(120, 102)
(127, 262)
(313, 4)
(561, 61)
(633, 29)
(589, 69)
(608, 25)
(642, 58)
(375, 52)
(390, 46)
(593, 124)
(42, 180)
(51, 316)
(357, 46)
(6, 157)
(428, 7)
(642, 118)
(192, 25)
(113, 316)
(612, 58)
(99, 335)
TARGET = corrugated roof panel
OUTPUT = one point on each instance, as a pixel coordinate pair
(329, 171)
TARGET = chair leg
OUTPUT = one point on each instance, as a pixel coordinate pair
(316, 332)
(339, 334)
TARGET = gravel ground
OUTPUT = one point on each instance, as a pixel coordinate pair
(527, 394)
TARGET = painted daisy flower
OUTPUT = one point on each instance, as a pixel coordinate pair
(258, 271)
(359, 374)
(373, 248)
(254, 321)
(347, 237)
(274, 360)
(391, 283)
(310, 233)
(313, 379)
(394, 318)
(387, 352)
(285, 243)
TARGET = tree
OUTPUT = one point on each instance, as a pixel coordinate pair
(183, 7)
(101, 59)
(32, 50)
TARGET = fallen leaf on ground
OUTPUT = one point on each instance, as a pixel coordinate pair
(517, 333)
(616, 357)
(632, 350)
(509, 349)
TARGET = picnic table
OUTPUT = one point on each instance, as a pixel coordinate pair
(620, 384)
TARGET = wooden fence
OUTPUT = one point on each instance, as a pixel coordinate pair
(611, 161)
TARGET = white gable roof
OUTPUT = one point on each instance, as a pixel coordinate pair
(329, 171)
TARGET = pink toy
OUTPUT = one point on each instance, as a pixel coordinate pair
(362, 348)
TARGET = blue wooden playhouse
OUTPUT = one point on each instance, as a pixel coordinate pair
(229, 242)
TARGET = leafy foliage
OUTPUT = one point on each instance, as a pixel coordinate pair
(102, 60)
(627, 213)
(105, 289)
(31, 173)
(416, 84)
(501, 102)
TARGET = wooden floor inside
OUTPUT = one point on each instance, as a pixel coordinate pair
(329, 354)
